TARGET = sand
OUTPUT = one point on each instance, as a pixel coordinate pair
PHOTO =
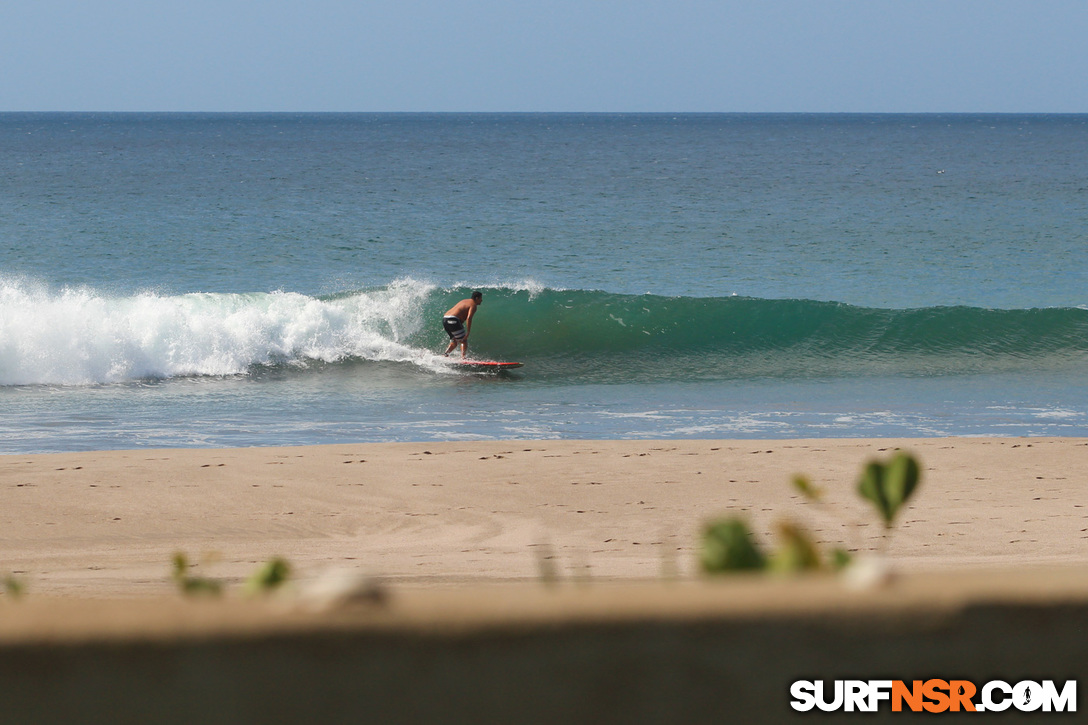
(106, 524)
(525, 581)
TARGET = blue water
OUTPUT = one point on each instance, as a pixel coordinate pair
(268, 279)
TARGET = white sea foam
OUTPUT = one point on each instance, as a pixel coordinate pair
(81, 336)
(529, 285)
(1058, 414)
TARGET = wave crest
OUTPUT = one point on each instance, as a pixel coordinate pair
(79, 336)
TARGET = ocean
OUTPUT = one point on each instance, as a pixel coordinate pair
(211, 280)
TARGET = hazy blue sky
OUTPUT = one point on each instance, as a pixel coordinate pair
(544, 55)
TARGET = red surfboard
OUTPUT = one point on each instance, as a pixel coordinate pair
(484, 366)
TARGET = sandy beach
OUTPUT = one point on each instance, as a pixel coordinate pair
(523, 581)
(105, 524)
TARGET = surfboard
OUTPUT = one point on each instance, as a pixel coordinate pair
(485, 366)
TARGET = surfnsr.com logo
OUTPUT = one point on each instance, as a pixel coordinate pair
(933, 696)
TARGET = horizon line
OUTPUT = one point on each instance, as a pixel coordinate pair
(556, 113)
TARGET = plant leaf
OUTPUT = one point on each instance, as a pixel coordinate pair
(201, 585)
(890, 485)
(270, 576)
(192, 584)
(804, 485)
(840, 559)
(797, 553)
(13, 587)
(871, 487)
(728, 547)
(901, 478)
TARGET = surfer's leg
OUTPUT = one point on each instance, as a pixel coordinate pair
(456, 330)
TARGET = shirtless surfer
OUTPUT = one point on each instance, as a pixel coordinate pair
(458, 322)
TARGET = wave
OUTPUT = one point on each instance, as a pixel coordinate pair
(579, 321)
(739, 337)
(82, 336)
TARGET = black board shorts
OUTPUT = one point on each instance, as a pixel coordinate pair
(454, 327)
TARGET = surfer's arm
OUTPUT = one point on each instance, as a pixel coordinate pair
(468, 321)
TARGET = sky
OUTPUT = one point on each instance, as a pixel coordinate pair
(881, 56)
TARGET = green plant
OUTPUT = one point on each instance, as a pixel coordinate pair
(796, 552)
(728, 545)
(804, 485)
(192, 585)
(269, 577)
(889, 485)
(12, 586)
(840, 557)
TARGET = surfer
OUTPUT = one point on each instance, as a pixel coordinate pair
(458, 322)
